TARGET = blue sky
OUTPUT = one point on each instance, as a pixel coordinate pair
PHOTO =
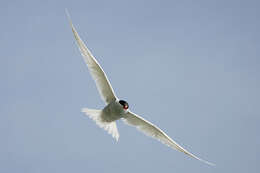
(191, 68)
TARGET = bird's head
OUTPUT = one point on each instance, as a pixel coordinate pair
(124, 104)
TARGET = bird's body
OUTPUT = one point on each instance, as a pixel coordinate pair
(115, 108)
(113, 111)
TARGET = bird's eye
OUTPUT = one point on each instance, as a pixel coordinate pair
(124, 104)
(125, 107)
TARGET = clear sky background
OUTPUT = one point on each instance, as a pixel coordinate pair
(190, 67)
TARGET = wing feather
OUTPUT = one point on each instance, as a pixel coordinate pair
(151, 130)
(103, 85)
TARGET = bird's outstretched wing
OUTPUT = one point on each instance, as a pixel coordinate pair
(103, 85)
(151, 130)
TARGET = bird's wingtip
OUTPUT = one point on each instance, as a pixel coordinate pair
(204, 161)
(207, 162)
(68, 15)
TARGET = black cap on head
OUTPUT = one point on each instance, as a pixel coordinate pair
(124, 104)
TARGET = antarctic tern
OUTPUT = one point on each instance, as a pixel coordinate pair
(115, 108)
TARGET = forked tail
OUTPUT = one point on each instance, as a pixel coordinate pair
(95, 115)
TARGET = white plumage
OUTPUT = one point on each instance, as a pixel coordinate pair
(118, 109)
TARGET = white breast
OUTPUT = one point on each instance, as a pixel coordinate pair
(112, 112)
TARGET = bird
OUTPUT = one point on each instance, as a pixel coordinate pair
(116, 108)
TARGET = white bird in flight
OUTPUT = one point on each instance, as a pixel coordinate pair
(116, 109)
